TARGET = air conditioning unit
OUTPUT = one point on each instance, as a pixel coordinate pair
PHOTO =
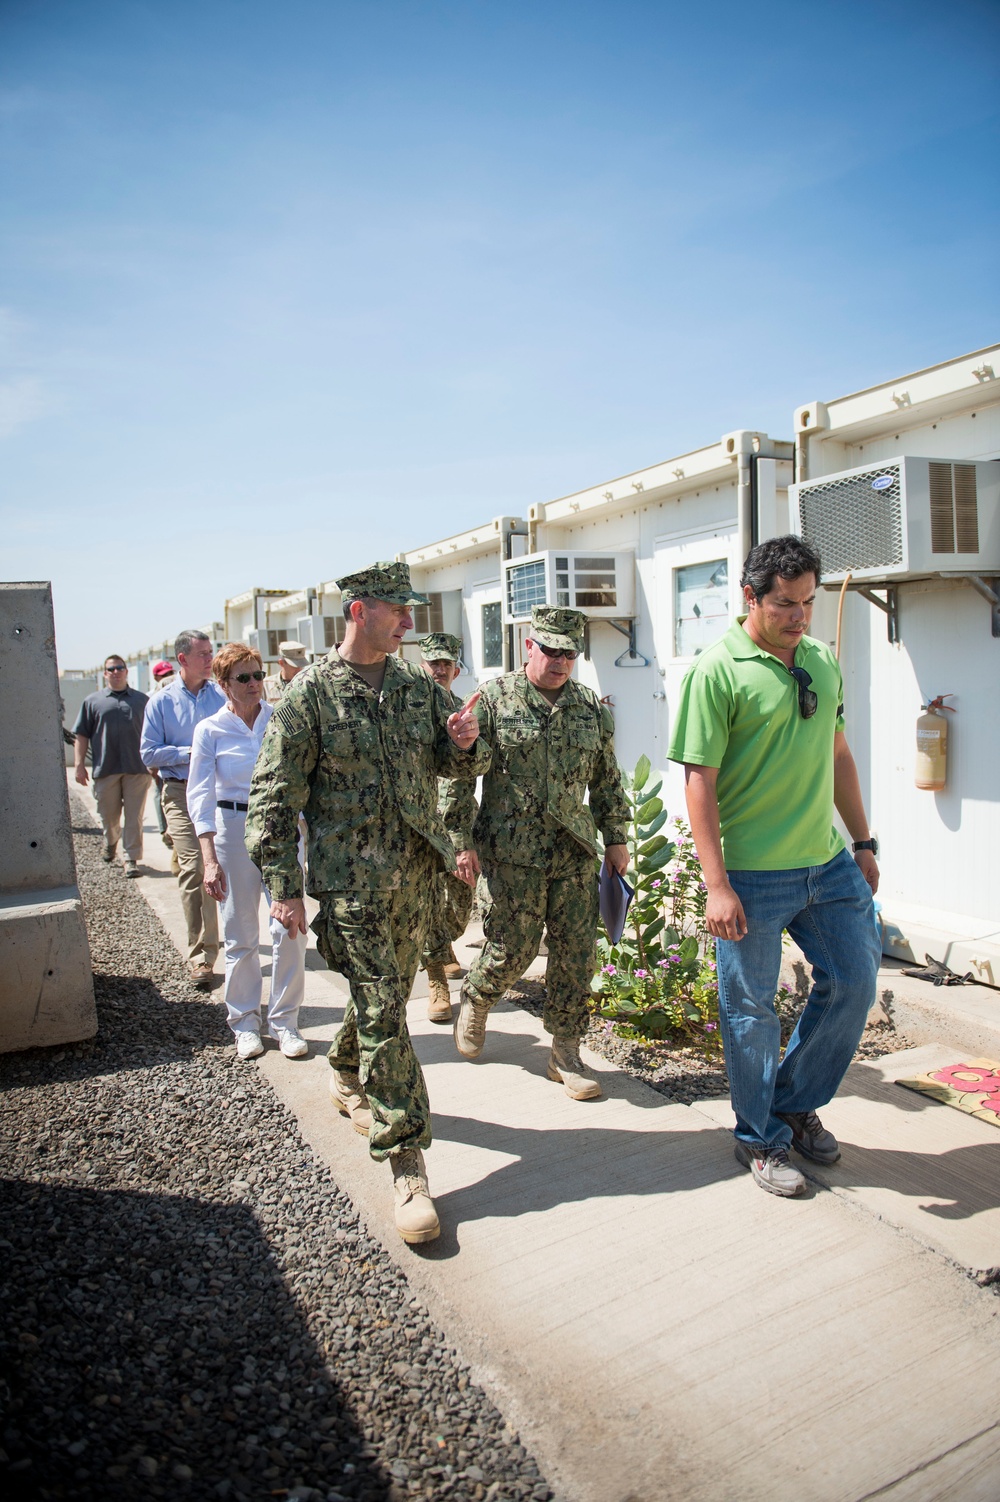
(903, 518)
(444, 613)
(318, 633)
(598, 584)
(266, 643)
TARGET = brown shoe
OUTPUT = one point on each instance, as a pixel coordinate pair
(416, 1217)
(348, 1095)
(452, 969)
(470, 1026)
(568, 1069)
(439, 999)
(203, 976)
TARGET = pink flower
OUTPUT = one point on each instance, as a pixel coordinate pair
(711, 964)
(608, 970)
(656, 884)
(641, 974)
(663, 963)
(710, 1027)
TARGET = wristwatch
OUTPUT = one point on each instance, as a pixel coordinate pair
(871, 845)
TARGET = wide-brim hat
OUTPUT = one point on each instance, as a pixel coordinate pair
(381, 581)
(557, 627)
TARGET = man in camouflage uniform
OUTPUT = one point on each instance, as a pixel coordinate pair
(451, 902)
(292, 658)
(357, 744)
(551, 740)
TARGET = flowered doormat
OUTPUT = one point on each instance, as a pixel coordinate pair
(973, 1087)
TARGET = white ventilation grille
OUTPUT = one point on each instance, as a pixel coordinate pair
(598, 584)
(319, 633)
(852, 524)
(427, 618)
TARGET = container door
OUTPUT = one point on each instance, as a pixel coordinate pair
(697, 594)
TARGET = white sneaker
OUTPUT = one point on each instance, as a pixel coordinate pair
(248, 1045)
(291, 1042)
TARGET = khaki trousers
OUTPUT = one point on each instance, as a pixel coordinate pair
(118, 793)
(201, 912)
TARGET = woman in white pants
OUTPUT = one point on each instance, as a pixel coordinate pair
(223, 754)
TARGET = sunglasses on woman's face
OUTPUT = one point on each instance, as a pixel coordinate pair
(245, 677)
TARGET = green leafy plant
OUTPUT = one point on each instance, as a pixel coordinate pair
(658, 983)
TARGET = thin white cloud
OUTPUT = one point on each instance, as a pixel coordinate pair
(22, 400)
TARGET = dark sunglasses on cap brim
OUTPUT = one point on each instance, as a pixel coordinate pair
(556, 651)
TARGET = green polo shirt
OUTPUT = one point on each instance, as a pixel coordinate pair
(739, 711)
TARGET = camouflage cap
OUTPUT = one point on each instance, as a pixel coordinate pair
(381, 581)
(555, 626)
(440, 645)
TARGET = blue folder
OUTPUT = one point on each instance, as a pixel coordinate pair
(616, 897)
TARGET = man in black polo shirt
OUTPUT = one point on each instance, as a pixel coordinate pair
(110, 723)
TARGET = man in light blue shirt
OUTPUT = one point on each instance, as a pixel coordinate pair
(167, 732)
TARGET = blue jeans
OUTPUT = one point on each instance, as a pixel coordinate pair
(828, 912)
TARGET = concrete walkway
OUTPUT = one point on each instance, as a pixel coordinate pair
(654, 1325)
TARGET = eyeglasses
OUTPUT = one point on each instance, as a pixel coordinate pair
(808, 702)
(557, 652)
(245, 677)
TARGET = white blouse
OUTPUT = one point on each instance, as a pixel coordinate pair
(223, 754)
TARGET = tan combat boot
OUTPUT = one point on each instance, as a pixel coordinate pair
(348, 1095)
(452, 969)
(566, 1067)
(439, 999)
(470, 1026)
(416, 1217)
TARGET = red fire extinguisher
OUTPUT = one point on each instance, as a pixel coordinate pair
(932, 744)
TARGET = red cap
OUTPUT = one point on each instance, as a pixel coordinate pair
(162, 669)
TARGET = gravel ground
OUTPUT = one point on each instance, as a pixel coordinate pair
(682, 1074)
(190, 1308)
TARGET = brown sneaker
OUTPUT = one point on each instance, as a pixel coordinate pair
(203, 976)
(348, 1095)
(470, 1026)
(439, 999)
(452, 969)
(566, 1067)
(416, 1217)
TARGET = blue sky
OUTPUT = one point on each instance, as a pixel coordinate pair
(286, 288)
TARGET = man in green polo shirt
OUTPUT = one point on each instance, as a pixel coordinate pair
(760, 730)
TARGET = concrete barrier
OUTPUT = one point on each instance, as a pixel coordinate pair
(46, 983)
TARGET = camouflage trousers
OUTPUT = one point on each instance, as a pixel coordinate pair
(451, 906)
(375, 939)
(517, 903)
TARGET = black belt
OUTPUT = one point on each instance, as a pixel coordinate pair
(239, 808)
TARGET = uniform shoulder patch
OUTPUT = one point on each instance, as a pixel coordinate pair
(292, 714)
